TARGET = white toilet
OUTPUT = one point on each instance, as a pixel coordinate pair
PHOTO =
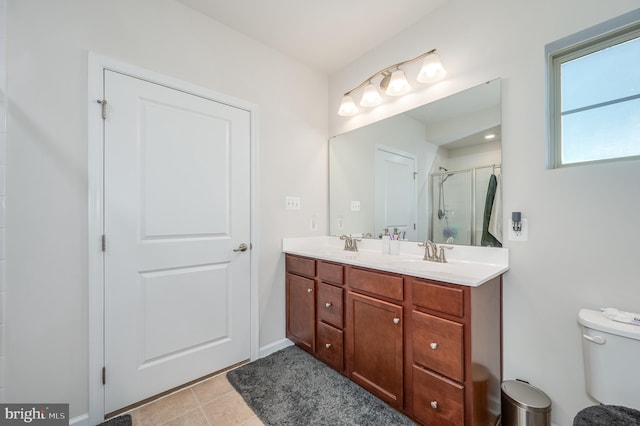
(612, 356)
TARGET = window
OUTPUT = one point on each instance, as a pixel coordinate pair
(594, 96)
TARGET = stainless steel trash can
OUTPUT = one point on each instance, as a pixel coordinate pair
(524, 405)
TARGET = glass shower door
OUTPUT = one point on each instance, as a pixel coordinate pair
(452, 205)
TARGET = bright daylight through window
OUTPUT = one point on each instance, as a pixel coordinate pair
(594, 99)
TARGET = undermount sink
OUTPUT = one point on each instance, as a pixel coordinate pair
(420, 263)
(410, 260)
(341, 253)
(421, 260)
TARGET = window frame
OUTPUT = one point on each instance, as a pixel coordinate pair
(591, 40)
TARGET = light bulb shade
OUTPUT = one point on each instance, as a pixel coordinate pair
(347, 106)
(398, 85)
(371, 97)
(432, 69)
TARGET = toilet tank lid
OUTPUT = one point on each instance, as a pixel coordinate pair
(597, 321)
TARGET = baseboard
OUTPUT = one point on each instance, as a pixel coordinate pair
(274, 347)
(81, 420)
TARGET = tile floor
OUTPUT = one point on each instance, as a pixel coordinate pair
(213, 402)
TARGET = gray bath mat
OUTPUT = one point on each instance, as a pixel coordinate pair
(290, 387)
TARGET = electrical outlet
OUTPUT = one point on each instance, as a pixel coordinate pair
(292, 203)
(355, 206)
(522, 235)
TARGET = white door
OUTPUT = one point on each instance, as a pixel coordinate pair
(395, 192)
(177, 204)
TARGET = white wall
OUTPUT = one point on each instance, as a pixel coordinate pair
(3, 162)
(583, 228)
(46, 291)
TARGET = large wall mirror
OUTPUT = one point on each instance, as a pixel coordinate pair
(433, 172)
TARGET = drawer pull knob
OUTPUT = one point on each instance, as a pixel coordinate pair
(434, 404)
(434, 345)
(309, 290)
(327, 345)
(328, 304)
(396, 320)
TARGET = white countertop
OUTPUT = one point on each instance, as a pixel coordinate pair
(466, 265)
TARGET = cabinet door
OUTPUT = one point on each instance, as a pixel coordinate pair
(301, 311)
(375, 347)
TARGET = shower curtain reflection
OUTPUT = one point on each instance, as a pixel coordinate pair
(458, 200)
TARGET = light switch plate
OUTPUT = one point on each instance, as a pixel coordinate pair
(355, 206)
(292, 203)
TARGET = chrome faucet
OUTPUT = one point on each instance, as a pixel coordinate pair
(431, 252)
(350, 243)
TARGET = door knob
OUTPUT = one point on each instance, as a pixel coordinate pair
(396, 320)
(328, 304)
(433, 345)
(241, 247)
(434, 405)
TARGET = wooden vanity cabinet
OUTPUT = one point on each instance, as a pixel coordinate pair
(430, 349)
(375, 347)
(375, 333)
(454, 365)
(300, 291)
(330, 315)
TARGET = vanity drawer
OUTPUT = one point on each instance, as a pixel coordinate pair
(301, 266)
(436, 400)
(330, 304)
(330, 272)
(330, 346)
(378, 283)
(438, 344)
(448, 300)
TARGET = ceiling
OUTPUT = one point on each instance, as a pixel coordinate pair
(326, 35)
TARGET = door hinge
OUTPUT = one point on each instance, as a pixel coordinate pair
(104, 243)
(104, 375)
(103, 103)
(414, 226)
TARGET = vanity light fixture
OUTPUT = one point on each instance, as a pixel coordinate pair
(370, 97)
(347, 107)
(398, 85)
(393, 82)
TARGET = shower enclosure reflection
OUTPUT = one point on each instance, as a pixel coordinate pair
(459, 199)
